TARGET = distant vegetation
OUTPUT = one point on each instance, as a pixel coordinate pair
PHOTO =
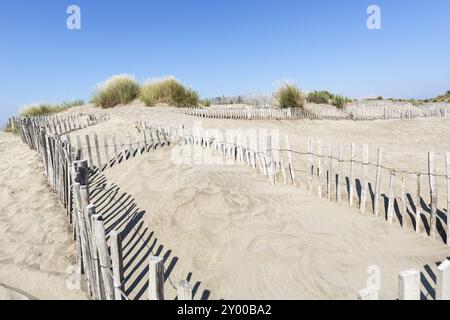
(325, 97)
(442, 98)
(169, 91)
(42, 109)
(121, 89)
(290, 96)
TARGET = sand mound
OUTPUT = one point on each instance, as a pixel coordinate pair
(237, 237)
(36, 251)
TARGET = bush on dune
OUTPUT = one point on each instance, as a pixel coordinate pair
(325, 97)
(42, 109)
(169, 91)
(290, 96)
(121, 89)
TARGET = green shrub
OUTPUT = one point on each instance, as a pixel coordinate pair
(325, 97)
(319, 97)
(121, 89)
(169, 91)
(290, 96)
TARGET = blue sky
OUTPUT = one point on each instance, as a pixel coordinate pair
(223, 47)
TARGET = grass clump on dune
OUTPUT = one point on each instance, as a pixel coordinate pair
(121, 89)
(168, 91)
(325, 97)
(43, 109)
(290, 96)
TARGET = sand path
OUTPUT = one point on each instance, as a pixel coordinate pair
(36, 251)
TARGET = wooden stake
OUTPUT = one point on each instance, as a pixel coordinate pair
(433, 194)
(447, 161)
(390, 213)
(376, 206)
(320, 171)
(103, 252)
(404, 203)
(156, 279)
(364, 174)
(340, 181)
(184, 291)
(409, 285)
(117, 263)
(97, 151)
(418, 204)
(351, 178)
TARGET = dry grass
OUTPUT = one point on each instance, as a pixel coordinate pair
(168, 91)
(120, 89)
(42, 109)
(289, 96)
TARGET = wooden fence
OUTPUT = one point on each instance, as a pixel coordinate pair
(253, 113)
(68, 167)
(68, 175)
(270, 162)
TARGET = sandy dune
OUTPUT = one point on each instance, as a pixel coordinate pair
(224, 228)
(235, 236)
(36, 251)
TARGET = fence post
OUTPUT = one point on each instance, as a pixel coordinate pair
(340, 174)
(390, 213)
(320, 172)
(376, 206)
(365, 173)
(330, 172)
(447, 161)
(102, 247)
(184, 290)
(433, 194)
(156, 279)
(88, 144)
(443, 281)
(404, 209)
(291, 164)
(409, 285)
(351, 178)
(309, 165)
(418, 204)
(117, 263)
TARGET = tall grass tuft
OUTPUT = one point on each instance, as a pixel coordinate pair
(120, 89)
(42, 109)
(168, 91)
(289, 96)
(325, 97)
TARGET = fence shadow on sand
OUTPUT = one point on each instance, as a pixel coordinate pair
(121, 213)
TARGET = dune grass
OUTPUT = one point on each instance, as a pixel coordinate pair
(168, 91)
(290, 96)
(42, 109)
(325, 97)
(120, 89)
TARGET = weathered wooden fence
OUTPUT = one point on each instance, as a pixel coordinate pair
(68, 169)
(253, 113)
(269, 160)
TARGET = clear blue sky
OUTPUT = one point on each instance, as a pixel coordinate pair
(223, 47)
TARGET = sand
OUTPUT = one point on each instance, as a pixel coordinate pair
(242, 238)
(228, 231)
(36, 251)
